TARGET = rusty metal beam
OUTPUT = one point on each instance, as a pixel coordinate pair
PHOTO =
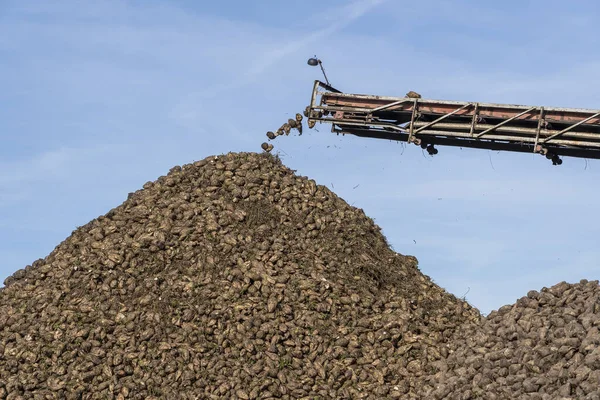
(500, 111)
(509, 138)
(514, 129)
(462, 135)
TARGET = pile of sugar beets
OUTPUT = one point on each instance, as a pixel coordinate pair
(233, 277)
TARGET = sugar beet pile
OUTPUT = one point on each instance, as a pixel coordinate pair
(234, 278)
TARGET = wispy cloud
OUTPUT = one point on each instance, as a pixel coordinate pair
(191, 109)
(17, 178)
(44, 166)
(345, 15)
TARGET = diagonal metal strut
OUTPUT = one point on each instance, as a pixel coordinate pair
(389, 105)
(442, 118)
(480, 134)
(583, 121)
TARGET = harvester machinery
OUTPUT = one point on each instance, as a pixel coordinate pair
(549, 131)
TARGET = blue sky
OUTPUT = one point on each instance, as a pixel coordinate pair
(99, 97)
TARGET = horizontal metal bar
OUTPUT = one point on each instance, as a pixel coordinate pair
(462, 134)
(525, 131)
(407, 113)
(500, 111)
(513, 138)
(543, 132)
(389, 99)
(477, 144)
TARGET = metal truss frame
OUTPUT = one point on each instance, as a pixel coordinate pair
(550, 131)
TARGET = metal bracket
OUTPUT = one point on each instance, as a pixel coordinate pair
(412, 120)
(539, 128)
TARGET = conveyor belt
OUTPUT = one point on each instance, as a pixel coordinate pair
(549, 131)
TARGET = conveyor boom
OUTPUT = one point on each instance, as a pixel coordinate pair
(549, 131)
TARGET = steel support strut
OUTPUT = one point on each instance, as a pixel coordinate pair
(504, 122)
(571, 127)
(443, 117)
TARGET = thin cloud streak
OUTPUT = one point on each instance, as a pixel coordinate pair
(186, 111)
(347, 15)
(49, 165)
